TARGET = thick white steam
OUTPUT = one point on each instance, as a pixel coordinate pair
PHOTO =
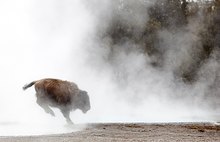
(129, 88)
(38, 39)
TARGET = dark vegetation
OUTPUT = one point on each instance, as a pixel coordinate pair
(179, 37)
(170, 15)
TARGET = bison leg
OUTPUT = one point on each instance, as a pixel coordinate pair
(66, 114)
(46, 108)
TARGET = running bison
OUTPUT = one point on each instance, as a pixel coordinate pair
(64, 95)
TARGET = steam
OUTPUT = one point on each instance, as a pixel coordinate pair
(70, 40)
(38, 39)
(149, 87)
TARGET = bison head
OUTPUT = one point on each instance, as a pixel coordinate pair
(83, 102)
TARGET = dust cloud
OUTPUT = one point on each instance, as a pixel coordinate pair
(61, 39)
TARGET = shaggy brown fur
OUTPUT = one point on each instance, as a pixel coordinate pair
(64, 95)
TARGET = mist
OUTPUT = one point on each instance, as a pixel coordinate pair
(70, 40)
(152, 84)
(39, 39)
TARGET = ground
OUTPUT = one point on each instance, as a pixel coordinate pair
(136, 132)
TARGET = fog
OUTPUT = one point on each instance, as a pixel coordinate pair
(59, 39)
(38, 39)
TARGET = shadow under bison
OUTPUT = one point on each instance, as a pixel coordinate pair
(64, 95)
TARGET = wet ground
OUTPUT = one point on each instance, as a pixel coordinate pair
(137, 132)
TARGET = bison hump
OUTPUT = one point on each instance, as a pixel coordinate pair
(52, 90)
(61, 92)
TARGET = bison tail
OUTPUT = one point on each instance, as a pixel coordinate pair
(28, 85)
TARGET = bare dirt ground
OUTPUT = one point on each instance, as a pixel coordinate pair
(137, 132)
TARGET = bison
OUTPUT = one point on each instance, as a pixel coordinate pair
(61, 94)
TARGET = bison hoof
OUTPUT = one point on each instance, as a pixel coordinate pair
(51, 113)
